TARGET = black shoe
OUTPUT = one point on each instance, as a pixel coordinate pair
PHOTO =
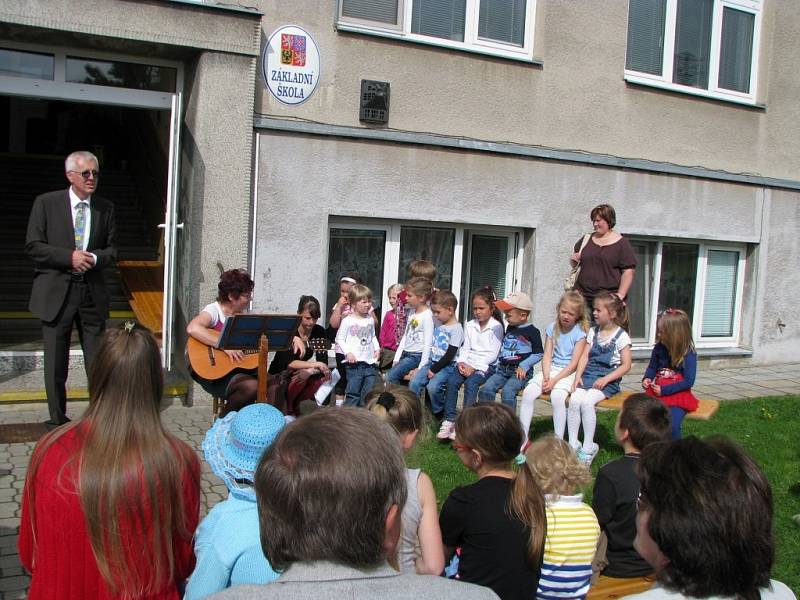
(53, 425)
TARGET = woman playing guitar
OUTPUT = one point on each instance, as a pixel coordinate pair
(239, 386)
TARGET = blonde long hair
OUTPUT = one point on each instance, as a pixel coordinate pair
(575, 301)
(130, 468)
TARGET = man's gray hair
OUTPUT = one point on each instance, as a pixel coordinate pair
(325, 487)
(71, 164)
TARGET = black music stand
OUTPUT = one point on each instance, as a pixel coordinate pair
(259, 332)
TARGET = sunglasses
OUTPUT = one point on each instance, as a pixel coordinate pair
(85, 174)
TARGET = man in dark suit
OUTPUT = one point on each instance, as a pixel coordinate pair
(71, 239)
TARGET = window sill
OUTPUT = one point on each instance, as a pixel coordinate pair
(642, 354)
(689, 91)
(349, 28)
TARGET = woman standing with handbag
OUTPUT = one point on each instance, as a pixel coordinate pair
(607, 261)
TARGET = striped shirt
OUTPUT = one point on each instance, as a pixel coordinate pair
(569, 548)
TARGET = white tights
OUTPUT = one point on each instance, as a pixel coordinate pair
(558, 397)
(581, 408)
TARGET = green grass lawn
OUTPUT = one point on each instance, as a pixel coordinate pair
(766, 427)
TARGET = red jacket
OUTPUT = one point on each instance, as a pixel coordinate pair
(60, 558)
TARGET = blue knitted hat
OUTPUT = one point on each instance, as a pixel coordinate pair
(235, 443)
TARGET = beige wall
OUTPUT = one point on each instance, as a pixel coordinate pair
(577, 100)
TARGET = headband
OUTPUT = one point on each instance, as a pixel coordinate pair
(348, 280)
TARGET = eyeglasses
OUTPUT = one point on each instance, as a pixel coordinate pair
(458, 447)
(85, 174)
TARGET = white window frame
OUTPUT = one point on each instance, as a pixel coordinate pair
(461, 241)
(61, 89)
(402, 31)
(664, 80)
(700, 278)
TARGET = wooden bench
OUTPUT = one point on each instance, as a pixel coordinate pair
(706, 409)
(613, 587)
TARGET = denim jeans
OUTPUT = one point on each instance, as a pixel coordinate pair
(361, 379)
(408, 362)
(435, 385)
(454, 382)
(503, 377)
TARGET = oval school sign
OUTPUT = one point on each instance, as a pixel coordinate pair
(290, 64)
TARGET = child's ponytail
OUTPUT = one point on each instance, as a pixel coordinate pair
(528, 505)
(495, 432)
(617, 306)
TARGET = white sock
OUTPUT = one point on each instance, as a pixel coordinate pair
(558, 398)
(574, 416)
(589, 415)
(529, 395)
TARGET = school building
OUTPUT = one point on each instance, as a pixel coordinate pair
(304, 139)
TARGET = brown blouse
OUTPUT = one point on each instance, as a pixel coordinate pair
(602, 266)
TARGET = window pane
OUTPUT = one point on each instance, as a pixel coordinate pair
(439, 18)
(503, 21)
(360, 251)
(383, 11)
(121, 74)
(720, 293)
(678, 277)
(16, 63)
(736, 50)
(427, 243)
(639, 296)
(646, 36)
(487, 266)
(693, 42)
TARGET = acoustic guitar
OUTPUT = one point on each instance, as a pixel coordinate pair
(212, 363)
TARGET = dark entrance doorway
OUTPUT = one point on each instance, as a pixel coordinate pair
(132, 146)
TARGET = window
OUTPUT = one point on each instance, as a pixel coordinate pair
(121, 74)
(704, 280)
(500, 27)
(34, 65)
(380, 252)
(702, 47)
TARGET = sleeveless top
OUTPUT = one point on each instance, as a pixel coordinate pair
(408, 546)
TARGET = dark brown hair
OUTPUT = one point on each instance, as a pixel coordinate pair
(233, 283)
(709, 511)
(311, 304)
(325, 486)
(495, 432)
(486, 293)
(605, 212)
(646, 419)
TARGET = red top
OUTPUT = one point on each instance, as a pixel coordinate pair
(61, 561)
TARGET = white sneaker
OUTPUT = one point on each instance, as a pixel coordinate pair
(447, 431)
(587, 457)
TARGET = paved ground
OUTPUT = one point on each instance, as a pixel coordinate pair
(190, 425)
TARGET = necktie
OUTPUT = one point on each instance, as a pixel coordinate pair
(80, 225)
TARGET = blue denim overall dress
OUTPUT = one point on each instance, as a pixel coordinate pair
(599, 364)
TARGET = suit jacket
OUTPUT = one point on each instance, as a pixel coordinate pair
(50, 242)
(323, 580)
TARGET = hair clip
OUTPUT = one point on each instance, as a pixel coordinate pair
(129, 326)
(519, 459)
(386, 400)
